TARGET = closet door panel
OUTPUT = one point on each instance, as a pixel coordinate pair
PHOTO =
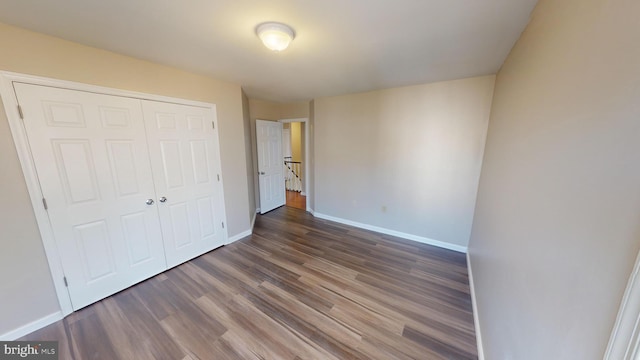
(91, 157)
(185, 160)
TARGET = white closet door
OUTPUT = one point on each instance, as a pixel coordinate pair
(92, 160)
(186, 167)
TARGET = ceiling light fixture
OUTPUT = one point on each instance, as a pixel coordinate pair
(275, 36)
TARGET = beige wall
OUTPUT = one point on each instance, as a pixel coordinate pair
(26, 293)
(264, 110)
(405, 159)
(294, 110)
(296, 141)
(267, 110)
(557, 227)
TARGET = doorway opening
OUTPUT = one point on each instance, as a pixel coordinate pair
(295, 200)
(294, 156)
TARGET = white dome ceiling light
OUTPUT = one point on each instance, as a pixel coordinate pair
(275, 36)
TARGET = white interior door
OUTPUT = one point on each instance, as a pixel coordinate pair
(270, 165)
(186, 168)
(92, 160)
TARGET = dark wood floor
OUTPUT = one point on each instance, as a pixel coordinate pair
(298, 288)
(296, 200)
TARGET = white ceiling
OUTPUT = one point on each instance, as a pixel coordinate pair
(341, 46)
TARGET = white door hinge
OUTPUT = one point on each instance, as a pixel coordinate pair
(223, 224)
(213, 125)
(218, 177)
(44, 203)
(20, 112)
(65, 281)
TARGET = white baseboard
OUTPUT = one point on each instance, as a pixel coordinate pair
(474, 305)
(237, 237)
(31, 327)
(310, 210)
(258, 210)
(420, 239)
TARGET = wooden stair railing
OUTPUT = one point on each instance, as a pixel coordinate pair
(293, 179)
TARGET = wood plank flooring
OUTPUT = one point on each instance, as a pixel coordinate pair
(296, 200)
(298, 288)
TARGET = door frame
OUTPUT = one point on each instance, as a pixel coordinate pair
(19, 135)
(306, 155)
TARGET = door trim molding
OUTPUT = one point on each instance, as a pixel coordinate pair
(19, 135)
(625, 336)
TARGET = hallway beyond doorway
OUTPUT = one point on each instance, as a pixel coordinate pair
(296, 200)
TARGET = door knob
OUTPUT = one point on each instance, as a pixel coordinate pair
(149, 201)
(163, 199)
